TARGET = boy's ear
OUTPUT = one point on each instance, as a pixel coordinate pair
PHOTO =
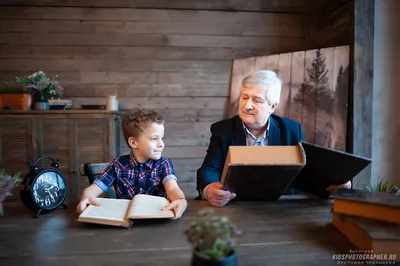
(132, 143)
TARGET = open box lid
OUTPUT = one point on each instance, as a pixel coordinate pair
(261, 172)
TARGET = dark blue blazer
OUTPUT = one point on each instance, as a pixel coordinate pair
(230, 132)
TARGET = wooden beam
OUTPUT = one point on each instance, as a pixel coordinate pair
(286, 6)
(362, 84)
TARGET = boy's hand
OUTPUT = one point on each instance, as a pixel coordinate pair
(178, 206)
(85, 202)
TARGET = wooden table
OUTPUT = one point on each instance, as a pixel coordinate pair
(285, 232)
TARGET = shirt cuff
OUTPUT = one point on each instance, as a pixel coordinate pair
(204, 192)
(168, 177)
(100, 184)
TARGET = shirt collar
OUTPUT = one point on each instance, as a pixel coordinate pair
(264, 135)
(149, 163)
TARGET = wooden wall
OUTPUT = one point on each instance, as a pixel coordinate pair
(331, 26)
(172, 56)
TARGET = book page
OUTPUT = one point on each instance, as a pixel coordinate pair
(109, 209)
(148, 206)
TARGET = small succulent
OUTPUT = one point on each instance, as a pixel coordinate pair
(7, 184)
(213, 237)
(384, 186)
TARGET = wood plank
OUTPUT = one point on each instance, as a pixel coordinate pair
(145, 90)
(124, 52)
(75, 65)
(66, 77)
(181, 129)
(296, 6)
(185, 140)
(284, 65)
(189, 188)
(240, 53)
(190, 152)
(305, 237)
(361, 103)
(274, 44)
(338, 135)
(260, 63)
(272, 63)
(182, 133)
(277, 44)
(296, 86)
(240, 69)
(309, 99)
(158, 102)
(14, 149)
(331, 28)
(323, 126)
(186, 152)
(200, 77)
(194, 115)
(219, 66)
(74, 187)
(187, 164)
(119, 65)
(275, 25)
(120, 52)
(144, 15)
(100, 39)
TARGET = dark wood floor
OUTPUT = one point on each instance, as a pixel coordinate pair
(287, 232)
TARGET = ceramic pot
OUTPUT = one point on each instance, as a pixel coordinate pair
(228, 261)
(41, 106)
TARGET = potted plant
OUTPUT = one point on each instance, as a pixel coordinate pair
(384, 186)
(7, 184)
(42, 88)
(14, 97)
(213, 239)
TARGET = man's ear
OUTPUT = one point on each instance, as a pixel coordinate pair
(273, 108)
(132, 143)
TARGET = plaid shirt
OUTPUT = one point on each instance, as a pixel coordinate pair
(130, 177)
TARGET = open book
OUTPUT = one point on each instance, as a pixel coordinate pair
(119, 212)
(265, 173)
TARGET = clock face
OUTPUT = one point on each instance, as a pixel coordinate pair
(48, 190)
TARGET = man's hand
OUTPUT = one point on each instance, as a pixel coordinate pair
(332, 189)
(178, 206)
(85, 202)
(218, 197)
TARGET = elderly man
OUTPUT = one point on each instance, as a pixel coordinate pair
(256, 125)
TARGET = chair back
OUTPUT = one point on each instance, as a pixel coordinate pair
(91, 170)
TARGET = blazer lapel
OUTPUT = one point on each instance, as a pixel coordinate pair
(274, 134)
(239, 138)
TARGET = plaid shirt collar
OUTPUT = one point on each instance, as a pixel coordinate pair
(150, 163)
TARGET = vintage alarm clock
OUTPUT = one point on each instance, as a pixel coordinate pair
(43, 189)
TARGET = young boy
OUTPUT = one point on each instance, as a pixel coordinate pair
(144, 170)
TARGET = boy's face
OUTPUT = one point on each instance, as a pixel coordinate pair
(150, 143)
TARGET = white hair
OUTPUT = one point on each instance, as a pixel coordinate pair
(267, 78)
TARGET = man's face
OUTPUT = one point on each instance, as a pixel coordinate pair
(254, 108)
(150, 143)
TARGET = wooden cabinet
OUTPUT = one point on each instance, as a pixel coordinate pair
(73, 137)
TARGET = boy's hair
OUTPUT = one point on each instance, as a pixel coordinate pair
(135, 121)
